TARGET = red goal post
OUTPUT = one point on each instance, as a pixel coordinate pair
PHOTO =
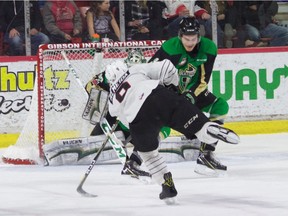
(59, 98)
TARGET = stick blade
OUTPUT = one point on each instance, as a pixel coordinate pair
(84, 193)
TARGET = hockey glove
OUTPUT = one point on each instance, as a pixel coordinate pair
(97, 82)
(190, 96)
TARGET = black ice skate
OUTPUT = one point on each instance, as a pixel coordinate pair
(132, 168)
(224, 134)
(207, 164)
(168, 189)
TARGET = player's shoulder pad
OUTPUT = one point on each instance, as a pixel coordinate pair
(172, 46)
(208, 46)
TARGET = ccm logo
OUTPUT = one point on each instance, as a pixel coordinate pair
(190, 121)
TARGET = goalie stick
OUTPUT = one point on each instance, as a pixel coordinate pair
(72, 70)
(93, 162)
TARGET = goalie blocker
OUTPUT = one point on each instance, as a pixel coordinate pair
(96, 106)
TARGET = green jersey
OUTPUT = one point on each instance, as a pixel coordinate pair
(195, 67)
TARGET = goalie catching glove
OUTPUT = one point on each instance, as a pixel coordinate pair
(97, 82)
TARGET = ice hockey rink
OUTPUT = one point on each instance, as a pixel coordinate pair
(255, 184)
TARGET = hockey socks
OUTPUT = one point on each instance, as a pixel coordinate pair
(159, 171)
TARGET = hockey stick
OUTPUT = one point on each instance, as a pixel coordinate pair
(72, 70)
(93, 162)
(116, 144)
(114, 141)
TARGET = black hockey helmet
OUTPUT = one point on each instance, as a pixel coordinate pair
(189, 26)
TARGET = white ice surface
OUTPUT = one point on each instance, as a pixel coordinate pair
(256, 184)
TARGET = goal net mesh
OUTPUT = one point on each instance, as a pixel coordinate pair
(59, 98)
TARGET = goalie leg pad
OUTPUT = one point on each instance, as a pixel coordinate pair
(78, 151)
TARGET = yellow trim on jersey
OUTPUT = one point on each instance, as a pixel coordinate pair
(203, 85)
(218, 118)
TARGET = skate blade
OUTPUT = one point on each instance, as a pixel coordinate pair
(170, 201)
(204, 170)
(139, 179)
(145, 179)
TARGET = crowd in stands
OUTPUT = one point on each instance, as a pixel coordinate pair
(239, 23)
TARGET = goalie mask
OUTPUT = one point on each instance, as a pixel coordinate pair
(135, 57)
(115, 70)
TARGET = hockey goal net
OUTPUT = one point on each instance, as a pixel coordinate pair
(59, 96)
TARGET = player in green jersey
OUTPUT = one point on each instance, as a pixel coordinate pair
(194, 57)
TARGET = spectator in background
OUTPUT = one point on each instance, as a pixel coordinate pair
(156, 20)
(100, 20)
(221, 10)
(176, 10)
(233, 16)
(251, 22)
(144, 20)
(137, 20)
(83, 7)
(2, 22)
(2, 30)
(41, 4)
(222, 19)
(205, 19)
(260, 23)
(62, 21)
(114, 7)
(12, 19)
